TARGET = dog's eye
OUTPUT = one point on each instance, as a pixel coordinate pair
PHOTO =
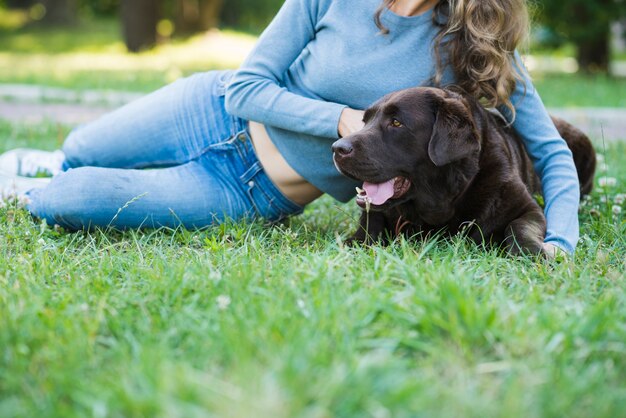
(396, 123)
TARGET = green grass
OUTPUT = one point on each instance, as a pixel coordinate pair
(245, 320)
(97, 35)
(576, 90)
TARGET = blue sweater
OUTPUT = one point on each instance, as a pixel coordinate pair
(319, 56)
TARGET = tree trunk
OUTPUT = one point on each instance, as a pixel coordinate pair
(139, 22)
(188, 16)
(59, 12)
(594, 53)
(209, 13)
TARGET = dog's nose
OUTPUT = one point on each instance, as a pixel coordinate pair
(342, 148)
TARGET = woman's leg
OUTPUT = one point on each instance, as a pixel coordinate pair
(169, 127)
(213, 171)
(186, 195)
(226, 181)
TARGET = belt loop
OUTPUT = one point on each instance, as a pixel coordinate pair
(241, 141)
(251, 172)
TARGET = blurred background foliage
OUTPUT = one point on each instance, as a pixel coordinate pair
(589, 25)
(144, 20)
(586, 24)
(185, 16)
(574, 39)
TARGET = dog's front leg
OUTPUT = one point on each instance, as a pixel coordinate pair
(372, 228)
(525, 234)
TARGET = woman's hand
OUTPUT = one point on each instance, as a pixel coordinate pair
(552, 252)
(351, 121)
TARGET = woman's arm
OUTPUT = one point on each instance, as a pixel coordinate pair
(552, 160)
(255, 92)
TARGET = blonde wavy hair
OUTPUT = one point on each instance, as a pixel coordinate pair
(478, 39)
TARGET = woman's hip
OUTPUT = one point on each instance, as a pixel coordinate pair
(170, 126)
(241, 166)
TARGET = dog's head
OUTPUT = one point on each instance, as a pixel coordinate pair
(419, 145)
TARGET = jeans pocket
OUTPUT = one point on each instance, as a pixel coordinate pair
(232, 143)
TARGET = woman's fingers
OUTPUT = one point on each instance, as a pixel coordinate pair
(351, 121)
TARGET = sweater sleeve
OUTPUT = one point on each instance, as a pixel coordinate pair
(552, 161)
(255, 91)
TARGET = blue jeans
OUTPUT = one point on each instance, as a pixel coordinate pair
(172, 158)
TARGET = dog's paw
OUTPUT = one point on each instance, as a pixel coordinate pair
(362, 239)
(358, 241)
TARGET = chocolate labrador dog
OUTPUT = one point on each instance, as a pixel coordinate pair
(435, 160)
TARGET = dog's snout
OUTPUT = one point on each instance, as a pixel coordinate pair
(342, 147)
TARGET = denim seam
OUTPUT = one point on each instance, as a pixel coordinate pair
(270, 199)
(251, 198)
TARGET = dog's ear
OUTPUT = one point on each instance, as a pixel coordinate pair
(454, 134)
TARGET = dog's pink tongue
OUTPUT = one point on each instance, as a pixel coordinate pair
(379, 193)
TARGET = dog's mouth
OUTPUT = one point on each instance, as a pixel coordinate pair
(377, 194)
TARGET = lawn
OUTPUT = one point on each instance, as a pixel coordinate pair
(248, 320)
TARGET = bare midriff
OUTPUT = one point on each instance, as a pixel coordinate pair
(291, 184)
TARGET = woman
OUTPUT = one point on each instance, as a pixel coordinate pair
(256, 142)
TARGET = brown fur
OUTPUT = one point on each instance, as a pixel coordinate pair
(468, 170)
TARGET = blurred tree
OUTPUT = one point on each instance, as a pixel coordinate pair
(197, 15)
(100, 7)
(59, 11)
(253, 15)
(586, 23)
(139, 23)
(19, 4)
(140, 18)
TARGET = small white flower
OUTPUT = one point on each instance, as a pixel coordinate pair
(41, 241)
(616, 210)
(603, 199)
(223, 302)
(607, 181)
(604, 167)
(600, 157)
(22, 201)
(619, 199)
(215, 275)
(303, 309)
